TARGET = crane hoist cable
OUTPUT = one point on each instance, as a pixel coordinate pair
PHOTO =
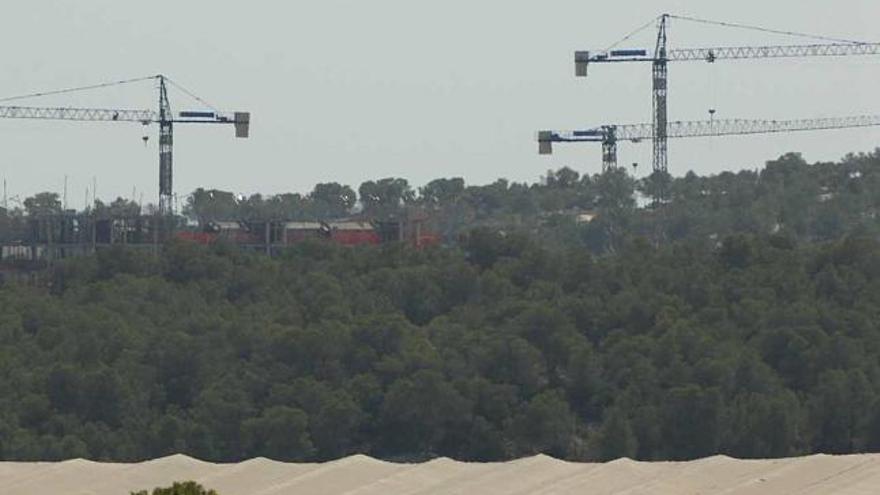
(110, 84)
(765, 30)
(734, 25)
(631, 35)
(191, 94)
(79, 88)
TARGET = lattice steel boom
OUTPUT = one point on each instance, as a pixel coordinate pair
(111, 115)
(78, 114)
(584, 58)
(610, 135)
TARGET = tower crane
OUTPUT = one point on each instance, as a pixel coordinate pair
(163, 116)
(662, 55)
(610, 135)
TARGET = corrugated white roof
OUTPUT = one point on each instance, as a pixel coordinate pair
(541, 475)
(350, 226)
(302, 225)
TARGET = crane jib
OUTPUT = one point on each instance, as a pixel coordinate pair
(700, 128)
(241, 120)
(782, 51)
(732, 53)
(82, 114)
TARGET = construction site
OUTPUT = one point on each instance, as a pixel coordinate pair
(49, 235)
(605, 330)
(57, 235)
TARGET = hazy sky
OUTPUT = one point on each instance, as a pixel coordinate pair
(350, 90)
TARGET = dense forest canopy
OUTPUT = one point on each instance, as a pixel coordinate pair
(753, 331)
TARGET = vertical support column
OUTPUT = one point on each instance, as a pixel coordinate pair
(166, 145)
(609, 149)
(94, 224)
(661, 119)
(50, 241)
(166, 185)
(268, 238)
(155, 224)
(661, 116)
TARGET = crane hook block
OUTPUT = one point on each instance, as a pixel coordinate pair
(242, 124)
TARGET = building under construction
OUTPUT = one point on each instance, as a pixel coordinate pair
(44, 238)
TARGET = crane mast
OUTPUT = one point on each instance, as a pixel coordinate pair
(661, 103)
(166, 146)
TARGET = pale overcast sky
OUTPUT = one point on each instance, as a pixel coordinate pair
(350, 90)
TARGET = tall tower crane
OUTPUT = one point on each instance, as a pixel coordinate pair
(163, 116)
(662, 55)
(610, 135)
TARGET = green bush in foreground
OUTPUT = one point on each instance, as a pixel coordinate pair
(184, 488)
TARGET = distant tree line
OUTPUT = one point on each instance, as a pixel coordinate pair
(810, 202)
